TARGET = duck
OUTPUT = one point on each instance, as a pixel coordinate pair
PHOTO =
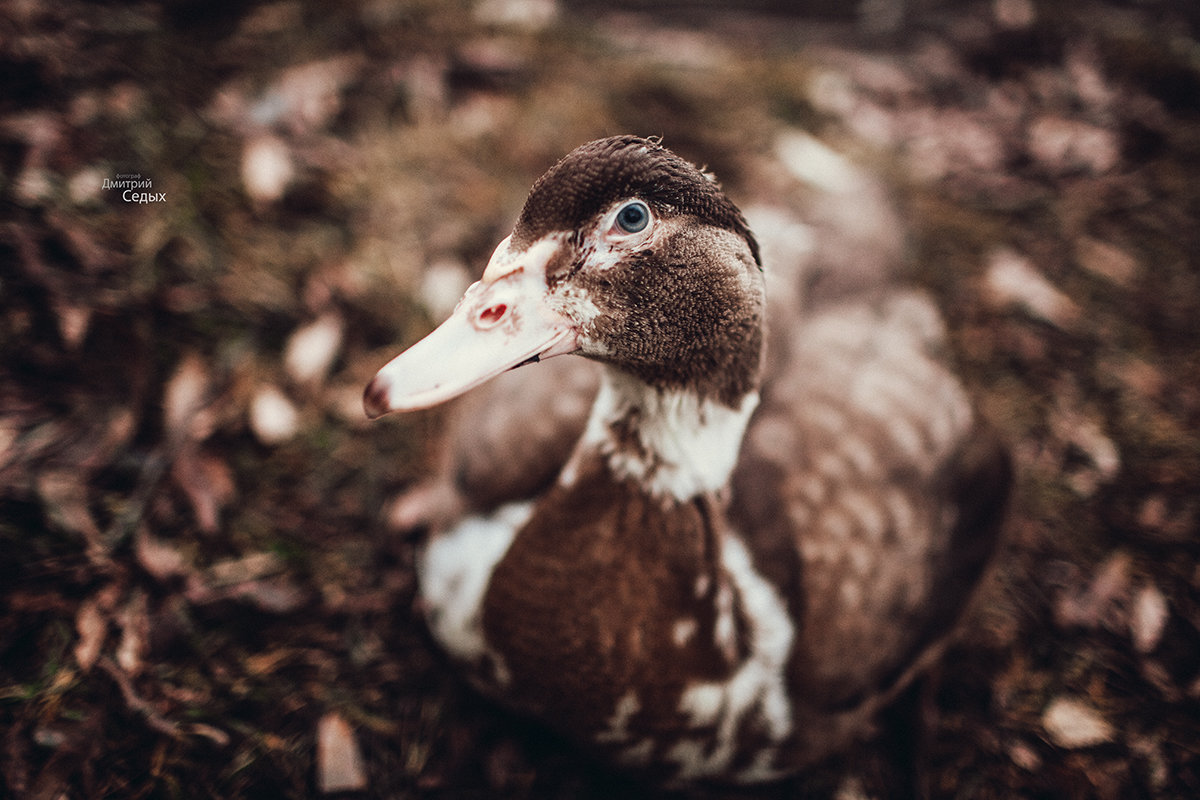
(704, 563)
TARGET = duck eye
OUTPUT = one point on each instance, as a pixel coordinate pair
(633, 217)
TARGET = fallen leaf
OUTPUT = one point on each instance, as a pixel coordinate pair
(91, 624)
(74, 319)
(267, 169)
(312, 348)
(278, 595)
(1024, 756)
(1106, 260)
(64, 495)
(208, 483)
(185, 397)
(158, 557)
(246, 568)
(273, 417)
(525, 15)
(815, 163)
(1013, 280)
(1149, 618)
(85, 185)
(1151, 750)
(34, 186)
(340, 765)
(1065, 145)
(851, 788)
(134, 622)
(1014, 14)
(442, 285)
(266, 663)
(1074, 724)
(253, 579)
(1088, 437)
(1102, 601)
(307, 96)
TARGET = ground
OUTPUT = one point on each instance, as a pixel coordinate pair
(219, 220)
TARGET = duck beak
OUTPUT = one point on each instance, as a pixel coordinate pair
(503, 321)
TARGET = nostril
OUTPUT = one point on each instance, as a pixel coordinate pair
(492, 314)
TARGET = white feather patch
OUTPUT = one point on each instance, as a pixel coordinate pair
(757, 687)
(688, 445)
(454, 571)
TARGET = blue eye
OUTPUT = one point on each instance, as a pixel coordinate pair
(633, 217)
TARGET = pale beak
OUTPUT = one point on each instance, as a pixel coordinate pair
(503, 321)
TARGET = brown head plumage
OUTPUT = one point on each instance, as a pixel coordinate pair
(596, 174)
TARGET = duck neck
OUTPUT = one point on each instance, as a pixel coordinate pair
(674, 443)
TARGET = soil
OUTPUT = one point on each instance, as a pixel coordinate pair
(219, 220)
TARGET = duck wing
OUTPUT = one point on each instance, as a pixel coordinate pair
(869, 493)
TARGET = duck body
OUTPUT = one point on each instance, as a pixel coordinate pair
(738, 562)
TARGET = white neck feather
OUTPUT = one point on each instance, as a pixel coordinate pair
(686, 445)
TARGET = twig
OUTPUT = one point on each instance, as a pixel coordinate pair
(153, 717)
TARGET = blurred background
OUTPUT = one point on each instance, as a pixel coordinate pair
(219, 219)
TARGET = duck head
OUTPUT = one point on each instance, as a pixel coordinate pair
(624, 253)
